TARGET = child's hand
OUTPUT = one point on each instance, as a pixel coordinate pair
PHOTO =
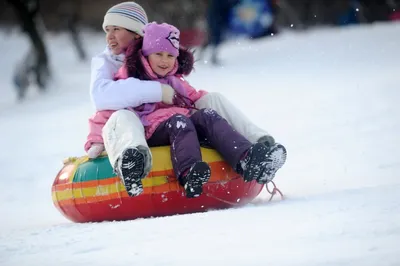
(95, 150)
(167, 94)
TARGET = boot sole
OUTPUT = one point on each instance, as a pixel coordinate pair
(257, 164)
(276, 159)
(132, 168)
(197, 176)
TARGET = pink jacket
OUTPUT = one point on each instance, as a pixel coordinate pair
(151, 115)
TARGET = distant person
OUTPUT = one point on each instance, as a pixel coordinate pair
(217, 17)
(35, 64)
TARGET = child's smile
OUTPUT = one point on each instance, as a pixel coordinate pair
(162, 63)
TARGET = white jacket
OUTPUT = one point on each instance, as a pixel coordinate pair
(108, 94)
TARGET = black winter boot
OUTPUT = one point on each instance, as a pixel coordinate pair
(276, 158)
(194, 179)
(261, 162)
(130, 168)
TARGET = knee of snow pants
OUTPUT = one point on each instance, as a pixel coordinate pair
(185, 146)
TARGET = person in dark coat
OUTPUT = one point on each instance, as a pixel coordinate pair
(217, 15)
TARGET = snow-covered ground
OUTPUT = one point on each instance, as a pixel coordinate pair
(332, 96)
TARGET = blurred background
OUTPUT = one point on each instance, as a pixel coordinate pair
(205, 24)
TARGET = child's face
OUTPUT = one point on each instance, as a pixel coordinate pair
(162, 63)
(119, 38)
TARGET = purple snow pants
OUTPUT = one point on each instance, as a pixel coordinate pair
(184, 134)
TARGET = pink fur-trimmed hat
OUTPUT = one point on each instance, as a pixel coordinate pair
(160, 38)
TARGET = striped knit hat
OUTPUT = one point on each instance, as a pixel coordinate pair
(128, 15)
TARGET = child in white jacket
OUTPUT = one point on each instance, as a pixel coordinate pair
(123, 134)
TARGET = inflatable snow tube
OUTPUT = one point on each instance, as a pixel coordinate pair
(88, 190)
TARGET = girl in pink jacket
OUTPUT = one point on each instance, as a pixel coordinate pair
(159, 57)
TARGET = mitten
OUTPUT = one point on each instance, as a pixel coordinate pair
(167, 94)
(95, 150)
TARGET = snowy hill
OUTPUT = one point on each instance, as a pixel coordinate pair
(330, 95)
